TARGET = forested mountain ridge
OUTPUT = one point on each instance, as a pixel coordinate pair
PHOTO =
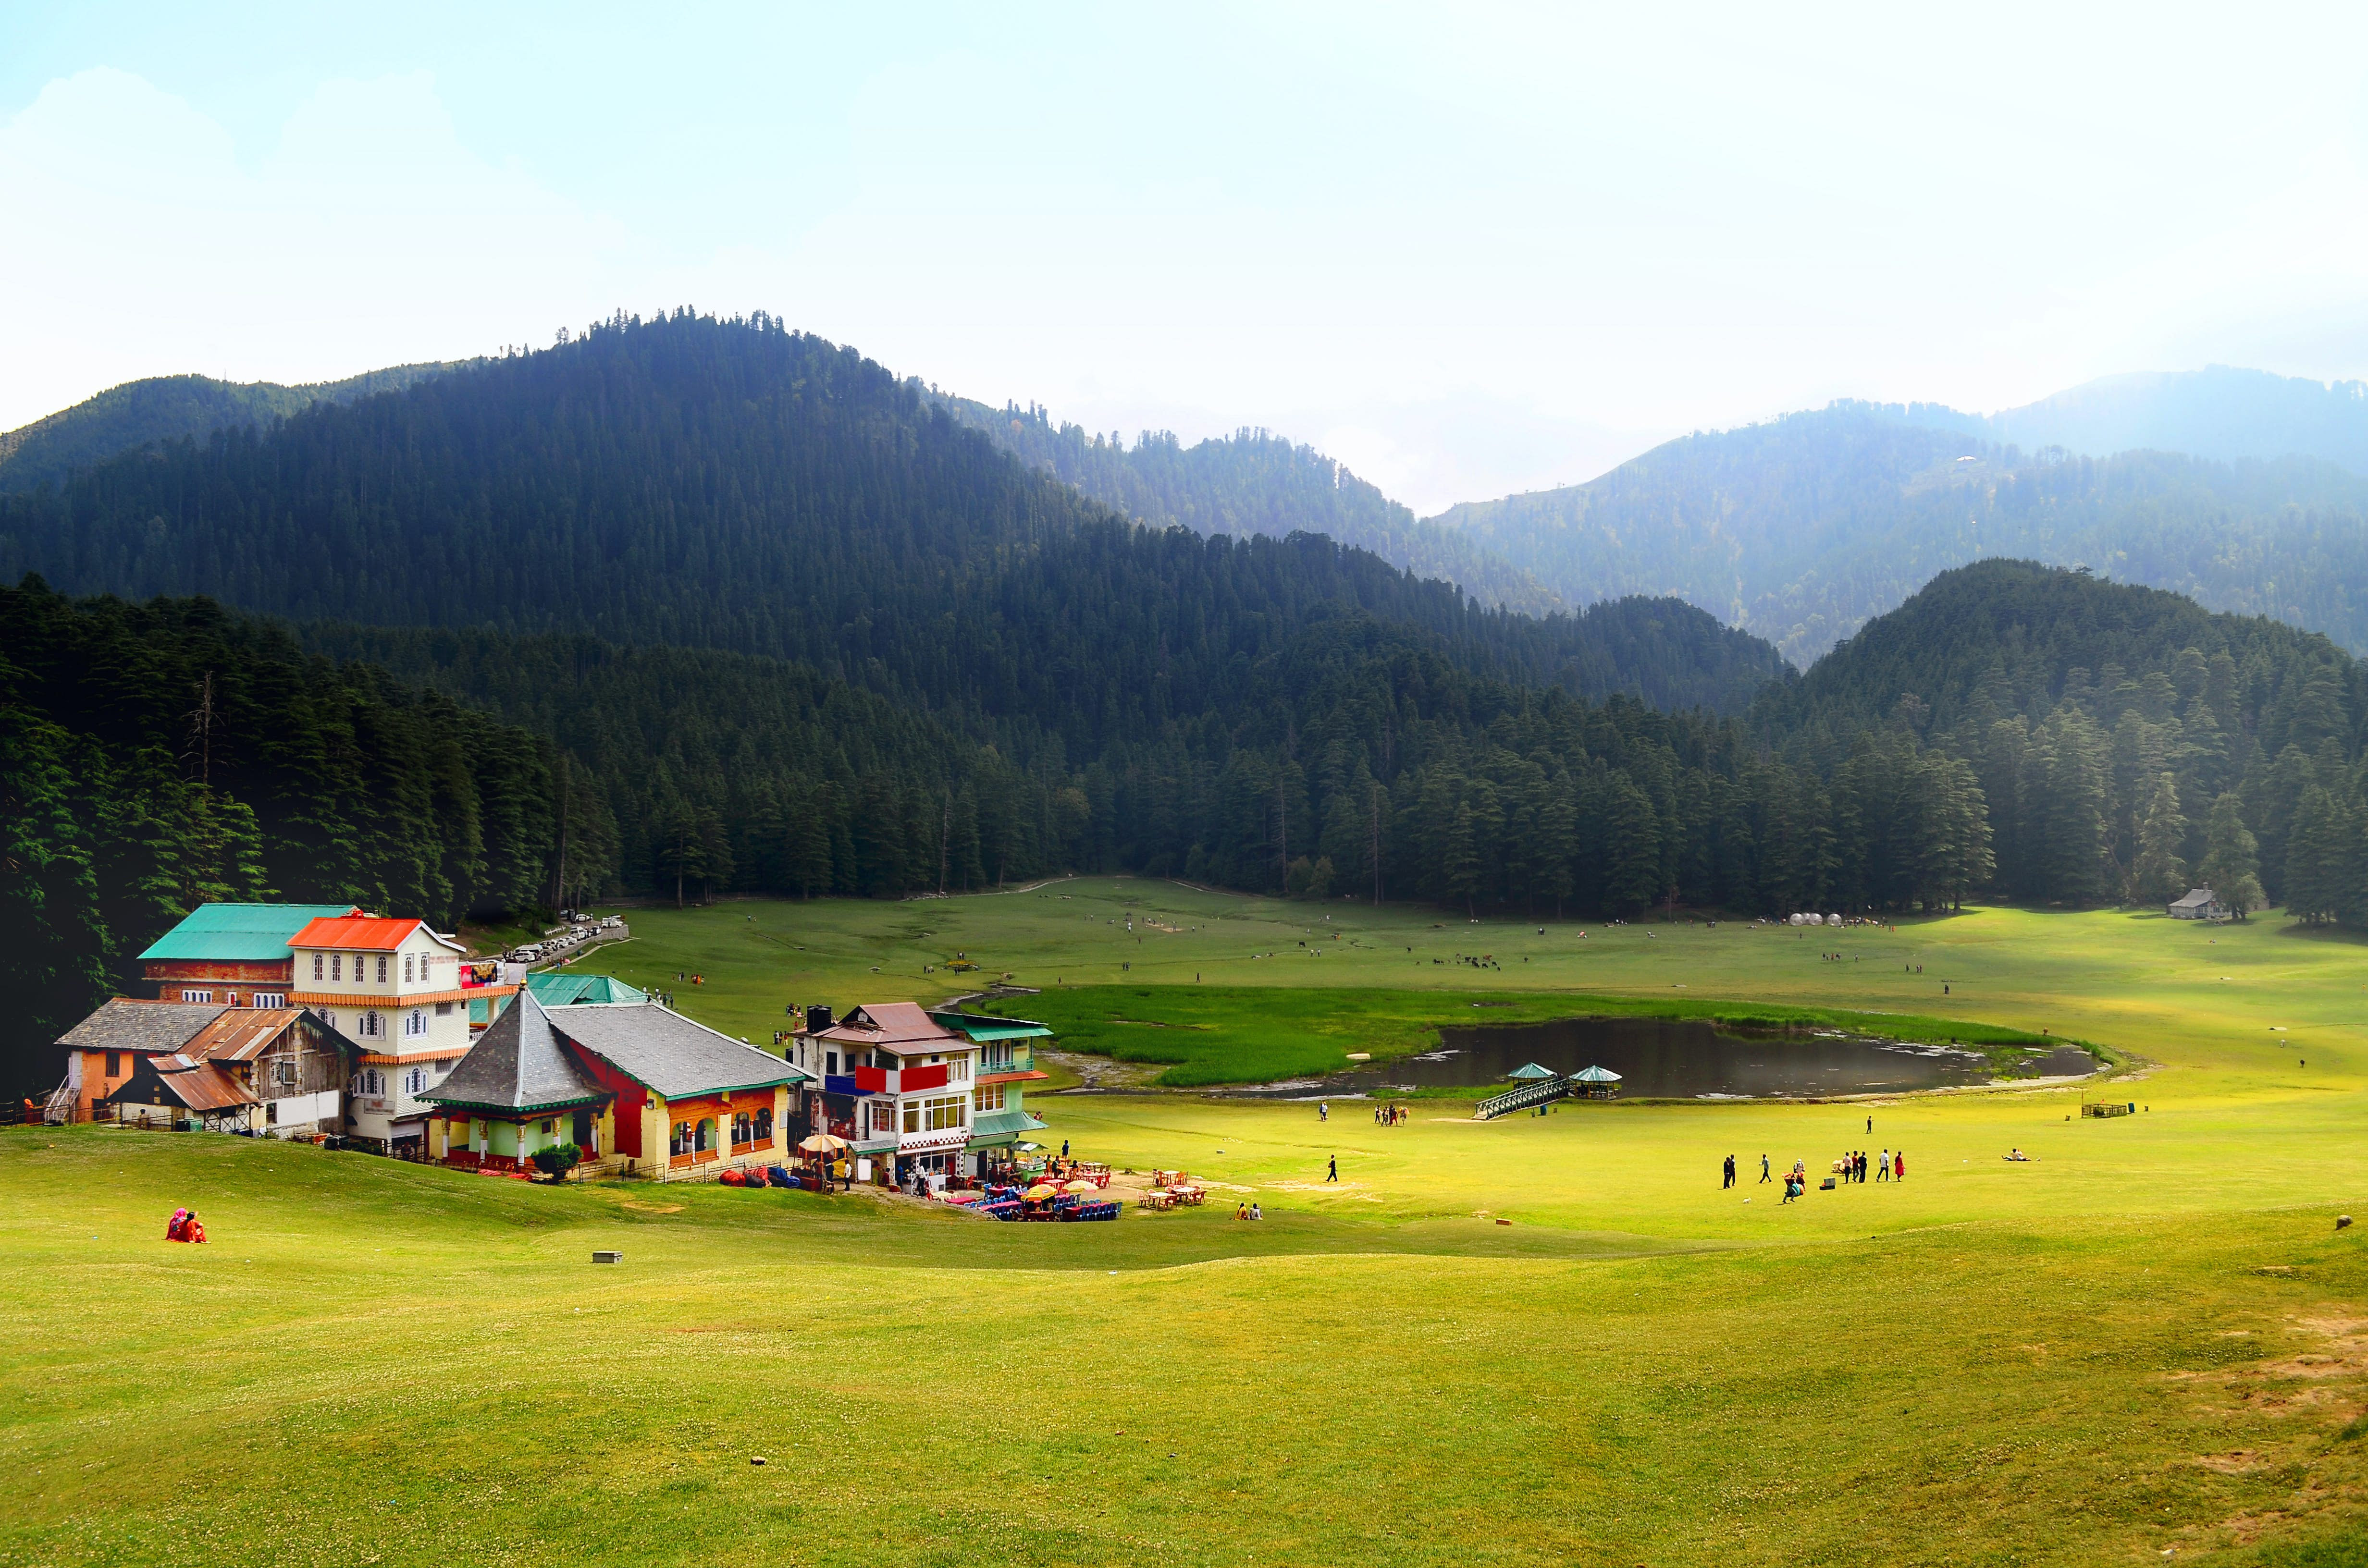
(168, 408)
(1251, 482)
(2125, 739)
(736, 486)
(1804, 527)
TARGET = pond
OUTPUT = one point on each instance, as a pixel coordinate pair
(1686, 1059)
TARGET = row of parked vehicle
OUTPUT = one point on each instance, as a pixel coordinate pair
(564, 939)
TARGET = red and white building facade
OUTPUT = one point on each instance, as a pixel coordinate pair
(394, 988)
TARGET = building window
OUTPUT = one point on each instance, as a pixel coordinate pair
(414, 1022)
(761, 1124)
(990, 1096)
(443, 1009)
(369, 1027)
(268, 999)
(959, 1070)
(115, 1063)
(831, 1058)
(316, 966)
(406, 969)
(740, 1128)
(415, 1080)
(382, 968)
(197, 995)
(337, 966)
(932, 1115)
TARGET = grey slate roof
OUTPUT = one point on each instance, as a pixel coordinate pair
(122, 1024)
(517, 1065)
(675, 1058)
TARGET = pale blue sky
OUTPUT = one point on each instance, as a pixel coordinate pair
(1469, 251)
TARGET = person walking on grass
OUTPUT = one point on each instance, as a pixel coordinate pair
(1882, 1165)
(1728, 1174)
(1764, 1177)
(1323, 1111)
(1333, 1172)
(1899, 1166)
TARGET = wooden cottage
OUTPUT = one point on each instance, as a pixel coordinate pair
(272, 1070)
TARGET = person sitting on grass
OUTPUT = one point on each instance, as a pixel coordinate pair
(177, 1227)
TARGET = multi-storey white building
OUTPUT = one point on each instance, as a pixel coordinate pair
(394, 989)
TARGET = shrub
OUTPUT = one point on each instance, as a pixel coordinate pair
(558, 1160)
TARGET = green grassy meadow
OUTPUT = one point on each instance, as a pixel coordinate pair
(2150, 1340)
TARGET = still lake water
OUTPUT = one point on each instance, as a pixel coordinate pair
(1685, 1059)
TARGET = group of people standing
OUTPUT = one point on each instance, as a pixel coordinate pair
(1889, 1165)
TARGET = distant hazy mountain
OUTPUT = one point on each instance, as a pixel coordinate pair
(2217, 412)
(1802, 528)
(1253, 482)
(168, 408)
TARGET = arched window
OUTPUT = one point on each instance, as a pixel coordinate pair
(337, 966)
(316, 966)
(406, 969)
(415, 1021)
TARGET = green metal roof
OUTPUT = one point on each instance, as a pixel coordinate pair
(560, 989)
(1596, 1076)
(250, 933)
(557, 988)
(1531, 1070)
(983, 1029)
(991, 1126)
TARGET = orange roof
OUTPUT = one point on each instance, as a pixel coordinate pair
(365, 933)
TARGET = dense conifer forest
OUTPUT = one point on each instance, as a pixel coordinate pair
(1252, 483)
(146, 414)
(158, 755)
(737, 486)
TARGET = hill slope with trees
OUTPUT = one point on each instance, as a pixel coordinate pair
(144, 414)
(1252, 483)
(2122, 738)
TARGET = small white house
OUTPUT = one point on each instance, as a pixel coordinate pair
(2201, 903)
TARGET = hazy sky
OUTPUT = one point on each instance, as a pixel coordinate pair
(1468, 250)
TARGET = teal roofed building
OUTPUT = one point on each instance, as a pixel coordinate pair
(232, 955)
(558, 989)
